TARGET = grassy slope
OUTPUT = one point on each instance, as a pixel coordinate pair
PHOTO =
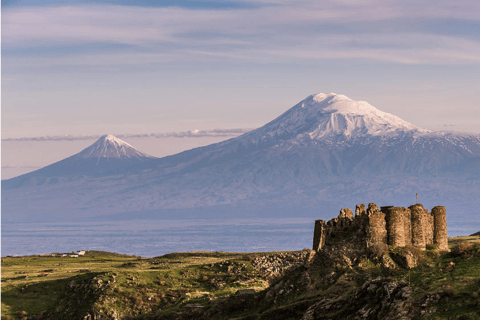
(34, 284)
(457, 283)
(120, 285)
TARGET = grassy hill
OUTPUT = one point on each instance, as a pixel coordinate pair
(341, 282)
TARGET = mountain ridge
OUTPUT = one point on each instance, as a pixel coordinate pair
(284, 164)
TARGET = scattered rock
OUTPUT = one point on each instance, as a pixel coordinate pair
(244, 291)
(277, 264)
(192, 306)
(405, 260)
(450, 267)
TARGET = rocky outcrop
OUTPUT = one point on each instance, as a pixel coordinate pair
(276, 264)
(81, 294)
(376, 299)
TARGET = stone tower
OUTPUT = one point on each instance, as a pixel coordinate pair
(418, 226)
(440, 227)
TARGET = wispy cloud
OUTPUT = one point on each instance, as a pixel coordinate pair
(379, 30)
(181, 134)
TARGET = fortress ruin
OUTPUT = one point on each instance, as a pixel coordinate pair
(393, 226)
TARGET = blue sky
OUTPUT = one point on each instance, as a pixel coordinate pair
(94, 67)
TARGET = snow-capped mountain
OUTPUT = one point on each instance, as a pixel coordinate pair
(332, 135)
(108, 155)
(109, 147)
(329, 115)
(326, 149)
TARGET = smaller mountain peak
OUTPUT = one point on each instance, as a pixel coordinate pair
(109, 146)
(110, 138)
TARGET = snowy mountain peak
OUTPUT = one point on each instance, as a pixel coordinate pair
(328, 114)
(331, 102)
(109, 146)
(112, 138)
(109, 155)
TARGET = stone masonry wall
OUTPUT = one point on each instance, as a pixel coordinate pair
(319, 235)
(393, 226)
(407, 226)
(440, 227)
(376, 231)
(395, 218)
(418, 226)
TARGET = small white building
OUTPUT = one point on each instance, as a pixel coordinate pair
(81, 252)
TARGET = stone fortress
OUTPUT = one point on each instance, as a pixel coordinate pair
(393, 226)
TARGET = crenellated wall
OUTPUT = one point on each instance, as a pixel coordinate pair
(393, 226)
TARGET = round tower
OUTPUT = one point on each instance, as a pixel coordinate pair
(395, 226)
(440, 237)
(418, 226)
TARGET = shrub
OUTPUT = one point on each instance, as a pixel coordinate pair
(415, 252)
(448, 291)
(378, 250)
(432, 251)
(476, 247)
(461, 249)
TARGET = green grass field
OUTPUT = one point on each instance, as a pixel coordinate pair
(35, 284)
(120, 285)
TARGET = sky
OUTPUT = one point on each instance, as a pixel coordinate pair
(76, 67)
